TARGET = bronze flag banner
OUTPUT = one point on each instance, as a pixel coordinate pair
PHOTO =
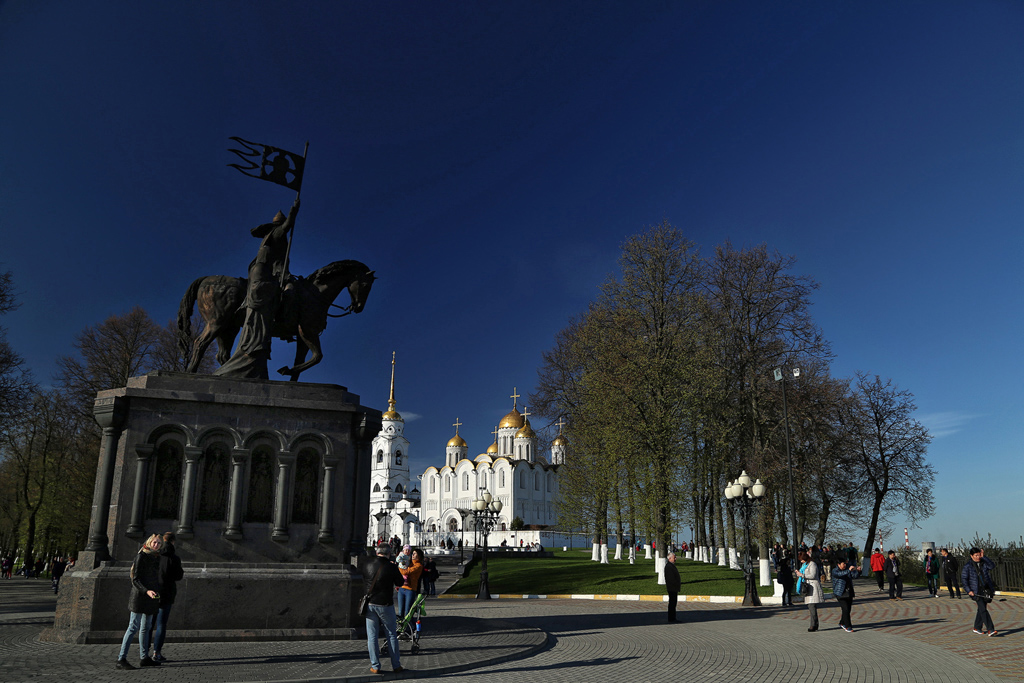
(270, 163)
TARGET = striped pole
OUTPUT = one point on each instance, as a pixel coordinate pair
(906, 535)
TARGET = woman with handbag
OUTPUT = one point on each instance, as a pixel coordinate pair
(977, 581)
(809, 586)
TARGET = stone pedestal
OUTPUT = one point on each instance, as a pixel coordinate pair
(265, 485)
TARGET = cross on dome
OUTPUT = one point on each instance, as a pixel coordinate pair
(561, 423)
(514, 396)
(456, 424)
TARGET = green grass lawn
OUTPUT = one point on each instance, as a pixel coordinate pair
(574, 572)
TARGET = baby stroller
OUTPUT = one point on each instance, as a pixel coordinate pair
(409, 626)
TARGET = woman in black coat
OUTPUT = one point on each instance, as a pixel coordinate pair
(144, 602)
(785, 577)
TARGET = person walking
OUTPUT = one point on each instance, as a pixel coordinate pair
(672, 584)
(842, 588)
(951, 570)
(429, 576)
(170, 573)
(810, 573)
(57, 569)
(878, 568)
(380, 611)
(976, 578)
(144, 602)
(931, 572)
(895, 577)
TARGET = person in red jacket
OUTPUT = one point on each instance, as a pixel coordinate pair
(878, 568)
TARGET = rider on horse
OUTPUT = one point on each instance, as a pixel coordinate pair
(266, 273)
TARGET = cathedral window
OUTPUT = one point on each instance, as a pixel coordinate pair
(432, 485)
(398, 457)
(398, 489)
(465, 482)
(453, 524)
(522, 480)
(380, 456)
(502, 479)
(447, 484)
(536, 481)
(527, 451)
(376, 488)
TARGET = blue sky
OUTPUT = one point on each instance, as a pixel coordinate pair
(488, 159)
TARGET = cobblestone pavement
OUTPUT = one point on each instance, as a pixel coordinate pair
(919, 639)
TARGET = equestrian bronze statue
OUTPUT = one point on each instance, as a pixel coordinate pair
(225, 304)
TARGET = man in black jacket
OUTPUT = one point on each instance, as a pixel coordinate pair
(672, 584)
(951, 570)
(382, 577)
(895, 576)
(170, 573)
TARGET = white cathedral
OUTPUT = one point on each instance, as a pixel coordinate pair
(436, 509)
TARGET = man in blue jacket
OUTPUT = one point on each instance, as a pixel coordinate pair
(977, 581)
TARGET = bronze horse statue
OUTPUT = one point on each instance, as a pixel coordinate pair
(301, 317)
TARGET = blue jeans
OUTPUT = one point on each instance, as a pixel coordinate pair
(145, 621)
(933, 583)
(405, 600)
(377, 616)
(159, 632)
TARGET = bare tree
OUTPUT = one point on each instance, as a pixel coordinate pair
(15, 379)
(120, 347)
(890, 453)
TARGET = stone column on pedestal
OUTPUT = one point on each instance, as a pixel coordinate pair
(136, 529)
(327, 504)
(109, 414)
(281, 500)
(239, 458)
(188, 493)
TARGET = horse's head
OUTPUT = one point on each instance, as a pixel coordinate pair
(359, 290)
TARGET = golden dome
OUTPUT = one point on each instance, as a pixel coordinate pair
(493, 448)
(392, 415)
(511, 421)
(559, 441)
(526, 432)
(457, 442)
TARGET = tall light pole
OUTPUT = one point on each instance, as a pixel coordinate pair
(780, 376)
(747, 496)
(486, 509)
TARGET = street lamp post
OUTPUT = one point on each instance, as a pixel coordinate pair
(780, 376)
(464, 514)
(486, 509)
(747, 496)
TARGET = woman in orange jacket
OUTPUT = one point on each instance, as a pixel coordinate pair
(411, 587)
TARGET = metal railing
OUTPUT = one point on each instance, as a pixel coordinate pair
(1009, 573)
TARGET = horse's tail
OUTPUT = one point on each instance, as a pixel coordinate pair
(185, 317)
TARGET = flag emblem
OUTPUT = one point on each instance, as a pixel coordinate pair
(269, 163)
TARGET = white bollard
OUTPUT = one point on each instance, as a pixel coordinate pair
(766, 572)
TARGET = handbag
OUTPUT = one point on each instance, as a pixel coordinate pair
(364, 602)
(806, 588)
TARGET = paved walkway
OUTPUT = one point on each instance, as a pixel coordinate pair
(575, 641)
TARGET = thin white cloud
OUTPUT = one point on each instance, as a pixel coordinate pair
(945, 423)
(410, 417)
